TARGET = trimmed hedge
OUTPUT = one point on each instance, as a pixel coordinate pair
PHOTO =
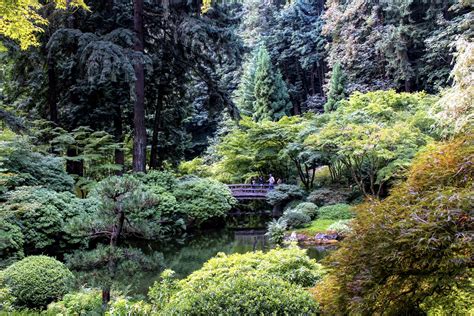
(36, 281)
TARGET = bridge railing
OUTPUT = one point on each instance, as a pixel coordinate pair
(249, 190)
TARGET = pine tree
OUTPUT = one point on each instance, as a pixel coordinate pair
(281, 99)
(271, 95)
(245, 93)
(336, 88)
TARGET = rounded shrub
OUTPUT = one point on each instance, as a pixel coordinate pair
(254, 283)
(203, 199)
(295, 218)
(244, 295)
(308, 208)
(336, 211)
(37, 280)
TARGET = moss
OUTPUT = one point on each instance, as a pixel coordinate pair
(316, 226)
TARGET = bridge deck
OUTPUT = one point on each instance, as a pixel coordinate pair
(249, 191)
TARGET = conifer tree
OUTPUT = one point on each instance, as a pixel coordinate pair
(245, 93)
(336, 88)
(271, 95)
(281, 99)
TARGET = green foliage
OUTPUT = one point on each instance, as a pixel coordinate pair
(11, 243)
(124, 306)
(457, 111)
(298, 49)
(336, 211)
(85, 302)
(28, 168)
(219, 286)
(245, 93)
(341, 227)
(295, 218)
(336, 91)
(160, 293)
(43, 216)
(408, 247)
(89, 302)
(245, 295)
(21, 21)
(284, 193)
(456, 302)
(194, 167)
(307, 208)
(125, 209)
(256, 148)
(125, 195)
(375, 136)
(401, 45)
(37, 280)
(7, 300)
(203, 199)
(276, 231)
(316, 226)
(271, 96)
(329, 195)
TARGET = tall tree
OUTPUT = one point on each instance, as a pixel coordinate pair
(139, 130)
(298, 49)
(271, 96)
(245, 93)
(402, 44)
(336, 91)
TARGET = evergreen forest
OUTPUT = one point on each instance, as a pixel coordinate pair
(236, 157)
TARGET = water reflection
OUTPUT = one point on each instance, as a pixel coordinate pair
(190, 254)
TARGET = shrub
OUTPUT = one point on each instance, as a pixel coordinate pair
(295, 218)
(329, 196)
(34, 169)
(85, 302)
(37, 280)
(203, 199)
(161, 291)
(307, 208)
(163, 179)
(11, 243)
(337, 211)
(244, 295)
(248, 284)
(276, 231)
(414, 245)
(284, 193)
(341, 227)
(89, 302)
(456, 302)
(125, 306)
(41, 215)
(7, 301)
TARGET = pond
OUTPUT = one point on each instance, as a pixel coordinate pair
(189, 254)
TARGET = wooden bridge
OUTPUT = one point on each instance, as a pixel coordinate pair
(249, 191)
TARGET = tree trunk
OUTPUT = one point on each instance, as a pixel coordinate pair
(156, 130)
(112, 264)
(105, 297)
(139, 135)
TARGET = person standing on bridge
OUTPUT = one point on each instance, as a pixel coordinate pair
(261, 181)
(271, 181)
